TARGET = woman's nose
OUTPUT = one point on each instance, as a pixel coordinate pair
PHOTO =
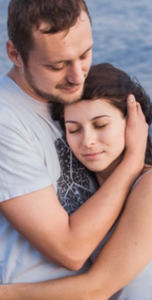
(89, 139)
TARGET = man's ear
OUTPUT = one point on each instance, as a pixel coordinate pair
(13, 54)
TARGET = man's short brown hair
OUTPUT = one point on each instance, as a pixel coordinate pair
(25, 15)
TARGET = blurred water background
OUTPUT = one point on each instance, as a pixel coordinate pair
(122, 32)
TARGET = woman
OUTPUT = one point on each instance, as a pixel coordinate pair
(95, 130)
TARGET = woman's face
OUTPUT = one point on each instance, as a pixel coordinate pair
(95, 133)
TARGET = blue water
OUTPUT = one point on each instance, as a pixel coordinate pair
(122, 32)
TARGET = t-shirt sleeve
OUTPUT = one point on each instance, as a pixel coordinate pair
(22, 167)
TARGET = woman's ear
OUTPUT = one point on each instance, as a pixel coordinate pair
(13, 54)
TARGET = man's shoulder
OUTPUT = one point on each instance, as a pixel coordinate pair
(8, 113)
(13, 109)
(7, 95)
(5, 85)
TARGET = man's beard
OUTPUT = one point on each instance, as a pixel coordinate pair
(47, 96)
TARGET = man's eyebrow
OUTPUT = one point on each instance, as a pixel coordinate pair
(87, 50)
(63, 61)
(95, 118)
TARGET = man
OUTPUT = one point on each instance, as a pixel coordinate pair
(50, 45)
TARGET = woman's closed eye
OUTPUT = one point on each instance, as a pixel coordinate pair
(100, 126)
(74, 130)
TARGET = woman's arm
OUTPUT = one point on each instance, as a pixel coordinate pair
(65, 240)
(129, 249)
(105, 268)
(126, 253)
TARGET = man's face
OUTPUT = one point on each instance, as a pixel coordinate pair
(59, 63)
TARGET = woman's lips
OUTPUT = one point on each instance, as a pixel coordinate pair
(91, 156)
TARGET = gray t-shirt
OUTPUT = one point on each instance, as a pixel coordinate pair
(33, 155)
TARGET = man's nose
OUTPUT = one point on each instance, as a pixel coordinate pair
(76, 74)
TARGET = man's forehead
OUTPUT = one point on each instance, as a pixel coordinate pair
(65, 44)
(46, 26)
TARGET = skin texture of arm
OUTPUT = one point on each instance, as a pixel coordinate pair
(102, 208)
(110, 272)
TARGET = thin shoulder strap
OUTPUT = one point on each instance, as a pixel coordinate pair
(141, 177)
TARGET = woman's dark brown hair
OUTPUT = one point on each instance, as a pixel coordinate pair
(106, 81)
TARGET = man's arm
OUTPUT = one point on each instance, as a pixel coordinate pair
(66, 240)
(91, 285)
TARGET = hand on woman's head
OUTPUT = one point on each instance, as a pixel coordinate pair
(136, 129)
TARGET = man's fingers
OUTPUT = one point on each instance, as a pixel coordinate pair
(132, 108)
(139, 111)
(136, 128)
(131, 99)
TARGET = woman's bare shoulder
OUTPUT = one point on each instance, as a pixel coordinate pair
(146, 172)
(146, 169)
(143, 184)
(140, 197)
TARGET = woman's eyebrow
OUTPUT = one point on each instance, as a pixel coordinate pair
(94, 118)
(101, 116)
(71, 121)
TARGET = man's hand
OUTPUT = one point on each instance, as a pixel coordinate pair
(136, 130)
